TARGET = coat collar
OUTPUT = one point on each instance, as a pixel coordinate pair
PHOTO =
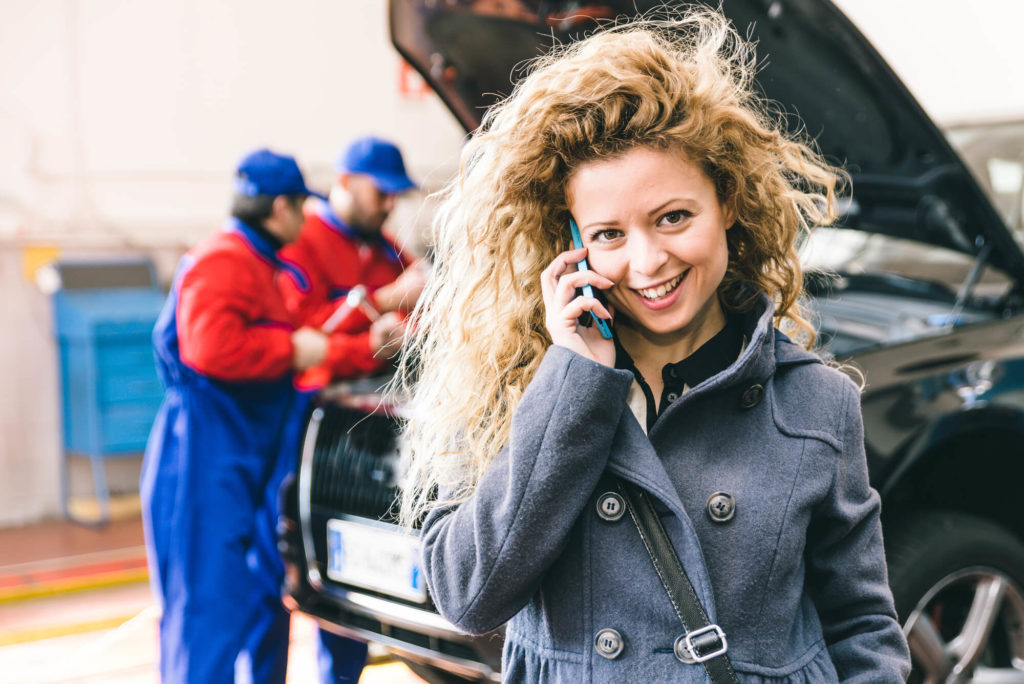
(768, 349)
(765, 350)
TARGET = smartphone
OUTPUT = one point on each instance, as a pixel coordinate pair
(588, 291)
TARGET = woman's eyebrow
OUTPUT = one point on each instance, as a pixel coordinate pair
(667, 202)
(611, 222)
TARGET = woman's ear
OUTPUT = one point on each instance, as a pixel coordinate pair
(729, 215)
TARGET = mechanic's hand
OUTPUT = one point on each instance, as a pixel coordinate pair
(387, 333)
(401, 294)
(563, 308)
(309, 348)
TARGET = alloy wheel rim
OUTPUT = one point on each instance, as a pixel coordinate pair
(969, 627)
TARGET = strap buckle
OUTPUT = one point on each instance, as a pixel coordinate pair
(687, 651)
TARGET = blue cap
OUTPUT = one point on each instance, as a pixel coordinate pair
(263, 172)
(378, 159)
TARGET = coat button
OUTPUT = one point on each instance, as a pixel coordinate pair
(671, 397)
(610, 506)
(751, 396)
(608, 643)
(682, 652)
(721, 507)
(706, 642)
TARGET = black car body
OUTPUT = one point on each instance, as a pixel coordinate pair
(921, 287)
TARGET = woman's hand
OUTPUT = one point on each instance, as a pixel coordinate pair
(563, 308)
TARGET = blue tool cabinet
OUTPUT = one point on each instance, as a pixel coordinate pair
(104, 315)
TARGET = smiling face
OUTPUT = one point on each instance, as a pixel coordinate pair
(653, 224)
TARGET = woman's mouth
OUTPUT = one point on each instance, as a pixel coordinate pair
(653, 294)
(663, 296)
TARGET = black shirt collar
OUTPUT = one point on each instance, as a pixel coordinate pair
(711, 358)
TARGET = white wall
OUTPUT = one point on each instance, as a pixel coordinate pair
(124, 119)
(120, 125)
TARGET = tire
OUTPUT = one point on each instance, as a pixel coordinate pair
(940, 565)
(433, 675)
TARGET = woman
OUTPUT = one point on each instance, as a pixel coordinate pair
(689, 200)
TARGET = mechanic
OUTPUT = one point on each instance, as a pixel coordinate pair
(224, 436)
(342, 247)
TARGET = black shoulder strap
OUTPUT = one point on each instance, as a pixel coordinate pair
(702, 641)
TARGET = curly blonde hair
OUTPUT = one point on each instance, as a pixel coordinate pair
(683, 84)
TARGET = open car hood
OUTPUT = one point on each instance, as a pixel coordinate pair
(907, 180)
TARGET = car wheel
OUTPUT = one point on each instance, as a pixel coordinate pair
(433, 675)
(958, 583)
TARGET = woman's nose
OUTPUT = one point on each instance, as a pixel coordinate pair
(646, 255)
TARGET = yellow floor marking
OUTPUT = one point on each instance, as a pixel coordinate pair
(70, 584)
(21, 636)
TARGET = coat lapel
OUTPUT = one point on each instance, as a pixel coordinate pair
(634, 459)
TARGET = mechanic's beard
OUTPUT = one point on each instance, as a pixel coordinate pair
(369, 227)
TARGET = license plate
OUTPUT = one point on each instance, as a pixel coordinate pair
(375, 558)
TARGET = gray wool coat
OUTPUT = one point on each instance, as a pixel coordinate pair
(796, 578)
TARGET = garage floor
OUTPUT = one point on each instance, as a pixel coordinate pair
(75, 607)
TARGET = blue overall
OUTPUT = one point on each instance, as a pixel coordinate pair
(216, 455)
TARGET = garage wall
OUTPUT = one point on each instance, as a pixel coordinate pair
(120, 125)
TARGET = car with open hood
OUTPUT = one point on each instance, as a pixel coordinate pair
(920, 286)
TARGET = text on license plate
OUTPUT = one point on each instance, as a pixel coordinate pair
(375, 558)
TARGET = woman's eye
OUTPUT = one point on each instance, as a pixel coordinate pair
(674, 218)
(605, 235)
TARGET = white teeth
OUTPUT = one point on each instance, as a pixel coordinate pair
(661, 290)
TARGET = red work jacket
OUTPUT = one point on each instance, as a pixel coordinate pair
(322, 266)
(229, 321)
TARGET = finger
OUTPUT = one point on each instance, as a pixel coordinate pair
(584, 305)
(560, 263)
(577, 279)
(559, 266)
(568, 285)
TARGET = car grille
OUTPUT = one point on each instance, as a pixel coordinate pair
(355, 461)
